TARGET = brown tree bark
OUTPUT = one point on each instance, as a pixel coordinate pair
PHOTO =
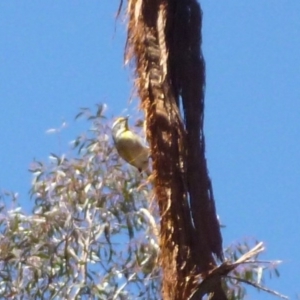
(164, 40)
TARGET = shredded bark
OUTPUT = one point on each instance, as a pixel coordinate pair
(164, 41)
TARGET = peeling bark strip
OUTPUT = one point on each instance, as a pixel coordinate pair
(164, 39)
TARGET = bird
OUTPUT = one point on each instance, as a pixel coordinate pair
(129, 145)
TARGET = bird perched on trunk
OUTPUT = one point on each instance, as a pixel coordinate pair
(129, 145)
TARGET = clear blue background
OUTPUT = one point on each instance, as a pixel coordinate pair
(57, 56)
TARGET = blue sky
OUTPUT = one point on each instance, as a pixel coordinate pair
(58, 56)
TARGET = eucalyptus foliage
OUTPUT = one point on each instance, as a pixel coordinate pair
(93, 230)
(89, 235)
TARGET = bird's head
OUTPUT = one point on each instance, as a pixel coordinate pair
(119, 126)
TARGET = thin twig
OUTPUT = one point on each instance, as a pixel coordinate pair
(226, 267)
(258, 286)
(123, 286)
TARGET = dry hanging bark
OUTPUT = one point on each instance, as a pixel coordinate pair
(164, 40)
